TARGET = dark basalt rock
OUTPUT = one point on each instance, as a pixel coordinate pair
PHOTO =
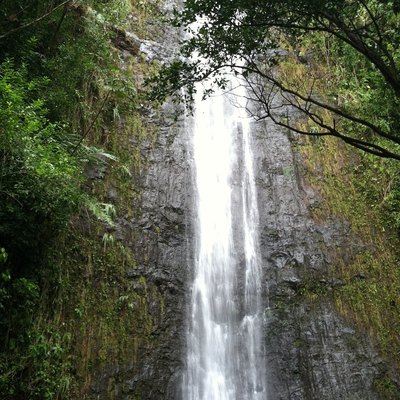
(158, 237)
(312, 353)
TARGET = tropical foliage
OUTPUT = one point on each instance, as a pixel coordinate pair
(357, 40)
(60, 84)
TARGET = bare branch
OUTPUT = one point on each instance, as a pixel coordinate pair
(308, 99)
(259, 91)
(35, 21)
(91, 124)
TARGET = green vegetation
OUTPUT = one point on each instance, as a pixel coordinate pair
(40, 179)
(355, 187)
(386, 388)
(69, 106)
(323, 70)
(251, 38)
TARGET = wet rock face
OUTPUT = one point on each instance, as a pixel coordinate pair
(161, 235)
(311, 352)
(157, 235)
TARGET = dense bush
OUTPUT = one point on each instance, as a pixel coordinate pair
(40, 179)
(60, 83)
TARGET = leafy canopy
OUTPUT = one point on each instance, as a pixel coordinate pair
(265, 35)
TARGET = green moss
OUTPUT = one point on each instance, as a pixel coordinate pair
(370, 298)
(298, 343)
(108, 315)
(88, 315)
(387, 388)
(348, 185)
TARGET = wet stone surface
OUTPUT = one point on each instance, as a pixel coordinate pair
(312, 353)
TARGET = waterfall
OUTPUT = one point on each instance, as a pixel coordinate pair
(225, 358)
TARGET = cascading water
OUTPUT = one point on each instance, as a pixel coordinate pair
(225, 359)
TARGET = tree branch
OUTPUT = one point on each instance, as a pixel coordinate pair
(91, 124)
(258, 91)
(308, 99)
(4, 35)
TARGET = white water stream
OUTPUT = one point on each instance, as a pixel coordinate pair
(225, 357)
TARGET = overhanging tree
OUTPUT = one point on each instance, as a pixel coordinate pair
(359, 39)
